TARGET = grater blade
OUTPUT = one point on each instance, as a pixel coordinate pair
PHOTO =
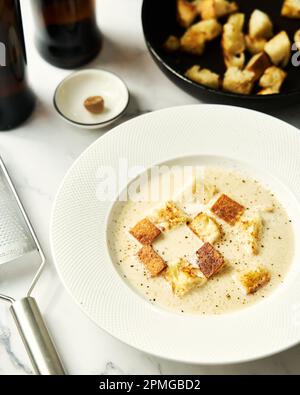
(15, 236)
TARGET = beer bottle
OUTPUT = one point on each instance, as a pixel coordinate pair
(16, 99)
(67, 35)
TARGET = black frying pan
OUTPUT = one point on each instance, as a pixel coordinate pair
(159, 21)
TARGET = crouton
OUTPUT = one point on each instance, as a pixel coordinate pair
(170, 216)
(297, 39)
(216, 8)
(255, 45)
(272, 80)
(145, 231)
(252, 280)
(183, 277)
(258, 64)
(260, 25)
(238, 81)
(291, 9)
(233, 37)
(204, 77)
(228, 210)
(267, 91)
(237, 61)
(151, 260)
(233, 41)
(210, 260)
(237, 20)
(279, 49)
(206, 228)
(211, 28)
(186, 12)
(253, 228)
(199, 4)
(193, 41)
(172, 44)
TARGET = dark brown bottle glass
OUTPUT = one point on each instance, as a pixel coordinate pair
(67, 34)
(16, 99)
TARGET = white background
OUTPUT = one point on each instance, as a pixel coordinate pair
(39, 153)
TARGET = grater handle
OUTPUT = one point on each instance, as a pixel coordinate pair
(39, 345)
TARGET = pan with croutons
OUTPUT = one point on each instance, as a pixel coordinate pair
(236, 49)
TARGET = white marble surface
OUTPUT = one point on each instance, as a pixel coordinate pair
(39, 153)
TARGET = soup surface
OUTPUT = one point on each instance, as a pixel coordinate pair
(222, 293)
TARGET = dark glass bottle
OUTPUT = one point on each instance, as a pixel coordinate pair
(67, 34)
(16, 99)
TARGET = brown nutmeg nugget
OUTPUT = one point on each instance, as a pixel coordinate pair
(210, 260)
(228, 210)
(94, 104)
(145, 231)
(151, 260)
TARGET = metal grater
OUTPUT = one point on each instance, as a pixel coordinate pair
(15, 240)
(18, 238)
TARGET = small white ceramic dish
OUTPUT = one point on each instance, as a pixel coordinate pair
(251, 142)
(77, 87)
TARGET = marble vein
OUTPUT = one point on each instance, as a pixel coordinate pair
(5, 336)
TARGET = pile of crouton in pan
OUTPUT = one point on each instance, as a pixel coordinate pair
(270, 53)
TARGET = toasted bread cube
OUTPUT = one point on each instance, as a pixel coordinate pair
(233, 41)
(184, 277)
(253, 228)
(279, 49)
(252, 280)
(186, 12)
(237, 20)
(151, 260)
(193, 41)
(272, 79)
(145, 231)
(236, 61)
(204, 77)
(260, 25)
(297, 39)
(210, 260)
(291, 9)
(228, 209)
(238, 81)
(211, 28)
(206, 228)
(255, 45)
(170, 216)
(258, 64)
(172, 44)
(267, 91)
(216, 8)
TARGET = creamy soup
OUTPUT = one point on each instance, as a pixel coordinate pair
(221, 293)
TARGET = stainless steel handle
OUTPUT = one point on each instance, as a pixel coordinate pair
(36, 338)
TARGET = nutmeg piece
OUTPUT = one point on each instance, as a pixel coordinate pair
(94, 104)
